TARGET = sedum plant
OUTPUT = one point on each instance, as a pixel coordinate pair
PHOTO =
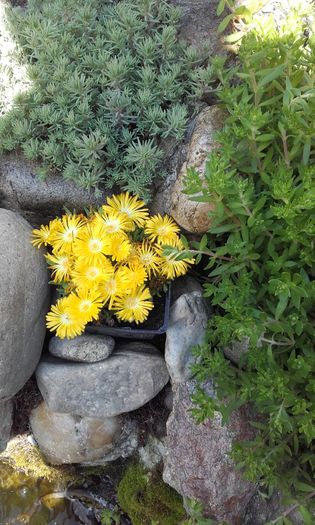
(261, 259)
(112, 258)
(109, 82)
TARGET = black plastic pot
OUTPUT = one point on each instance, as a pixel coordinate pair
(134, 333)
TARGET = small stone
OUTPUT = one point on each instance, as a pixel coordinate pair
(236, 350)
(125, 381)
(187, 328)
(82, 349)
(6, 410)
(152, 454)
(66, 438)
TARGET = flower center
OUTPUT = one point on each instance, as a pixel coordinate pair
(95, 245)
(85, 306)
(92, 273)
(132, 303)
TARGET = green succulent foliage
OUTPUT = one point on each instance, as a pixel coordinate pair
(260, 249)
(147, 500)
(109, 81)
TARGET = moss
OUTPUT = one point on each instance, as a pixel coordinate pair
(24, 457)
(146, 499)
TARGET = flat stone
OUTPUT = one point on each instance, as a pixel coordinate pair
(6, 410)
(67, 438)
(196, 463)
(187, 328)
(125, 381)
(82, 349)
(24, 301)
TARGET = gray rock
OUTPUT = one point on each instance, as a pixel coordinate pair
(187, 325)
(236, 350)
(66, 438)
(190, 215)
(152, 454)
(24, 301)
(185, 284)
(129, 378)
(37, 200)
(196, 463)
(6, 410)
(82, 349)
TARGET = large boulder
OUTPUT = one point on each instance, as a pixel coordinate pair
(187, 328)
(24, 301)
(39, 200)
(5, 423)
(85, 348)
(197, 464)
(190, 215)
(125, 381)
(67, 438)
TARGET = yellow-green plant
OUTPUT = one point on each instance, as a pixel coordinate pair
(112, 258)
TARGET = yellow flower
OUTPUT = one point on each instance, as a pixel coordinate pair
(114, 287)
(91, 243)
(130, 206)
(148, 258)
(66, 231)
(119, 247)
(61, 266)
(87, 274)
(134, 307)
(161, 229)
(135, 275)
(85, 305)
(62, 321)
(169, 266)
(113, 222)
(42, 236)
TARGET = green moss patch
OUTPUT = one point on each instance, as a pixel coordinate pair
(146, 499)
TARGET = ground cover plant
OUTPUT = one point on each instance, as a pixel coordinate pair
(109, 82)
(111, 258)
(260, 250)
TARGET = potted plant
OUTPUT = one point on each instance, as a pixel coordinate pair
(110, 268)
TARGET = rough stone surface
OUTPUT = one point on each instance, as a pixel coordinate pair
(190, 215)
(5, 423)
(199, 24)
(196, 463)
(185, 284)
(125, 381)
(24, 301)
(66, 438)
(187, 326)
(39, 201)
(236, 349)
(152, 454)
(82, 349)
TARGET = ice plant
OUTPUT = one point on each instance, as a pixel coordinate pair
(113, 259)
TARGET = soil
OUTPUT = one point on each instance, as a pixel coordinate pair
(23, 403)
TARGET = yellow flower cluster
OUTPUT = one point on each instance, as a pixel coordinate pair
(101, 263)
